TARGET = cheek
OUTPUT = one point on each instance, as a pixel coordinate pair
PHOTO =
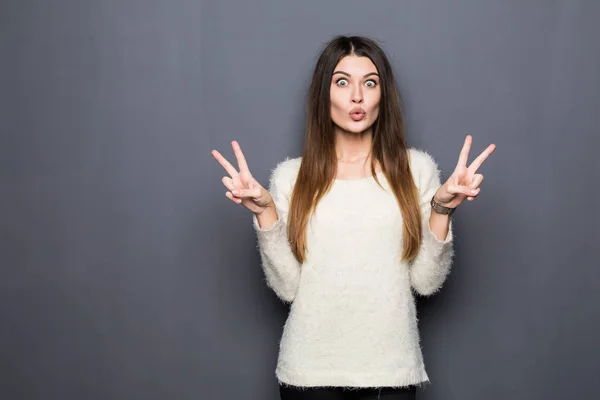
(375, 100)
(336, 105)
(335, 97)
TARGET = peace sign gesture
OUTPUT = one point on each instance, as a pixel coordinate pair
(464, 181)
(242, 187)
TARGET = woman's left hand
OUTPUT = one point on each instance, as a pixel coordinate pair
(464, 181)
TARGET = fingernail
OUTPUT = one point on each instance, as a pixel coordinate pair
(235, 192)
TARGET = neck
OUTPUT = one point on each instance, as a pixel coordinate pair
(350, 146)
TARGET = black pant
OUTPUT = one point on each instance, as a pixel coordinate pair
(288, 392)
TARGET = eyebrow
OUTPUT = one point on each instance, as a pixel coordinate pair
(347, 74)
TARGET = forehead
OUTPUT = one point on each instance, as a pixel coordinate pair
(353, 64)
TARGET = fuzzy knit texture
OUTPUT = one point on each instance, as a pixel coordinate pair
(352, 319)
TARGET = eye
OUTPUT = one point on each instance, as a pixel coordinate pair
(373, 83)
(342, 80)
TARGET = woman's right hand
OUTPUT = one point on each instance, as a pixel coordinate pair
(242, 187)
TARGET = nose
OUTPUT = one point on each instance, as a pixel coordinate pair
(357, 96)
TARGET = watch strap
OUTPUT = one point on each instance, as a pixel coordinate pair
(440, 209)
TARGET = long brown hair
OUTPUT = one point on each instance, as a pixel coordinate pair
(319, 161)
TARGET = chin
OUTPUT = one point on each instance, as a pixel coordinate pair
(357, 127)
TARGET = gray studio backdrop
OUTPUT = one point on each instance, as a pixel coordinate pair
(127, 274)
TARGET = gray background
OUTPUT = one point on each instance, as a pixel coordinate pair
(127, 274)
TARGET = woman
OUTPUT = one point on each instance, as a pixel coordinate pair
(348, 230)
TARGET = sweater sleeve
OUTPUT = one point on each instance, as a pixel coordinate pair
(429, 269)
(282, 270)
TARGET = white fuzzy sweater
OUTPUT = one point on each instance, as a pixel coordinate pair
(352, 320)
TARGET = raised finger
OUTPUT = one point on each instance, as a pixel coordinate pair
(226, 164)
(482, 157)
(240, 156)
(464, 153)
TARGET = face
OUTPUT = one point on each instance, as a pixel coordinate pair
(355, 94)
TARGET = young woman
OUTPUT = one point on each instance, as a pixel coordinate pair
(348, 230)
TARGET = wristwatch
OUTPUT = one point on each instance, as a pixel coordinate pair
(440, 209)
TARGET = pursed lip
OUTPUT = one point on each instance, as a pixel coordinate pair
(357, 110)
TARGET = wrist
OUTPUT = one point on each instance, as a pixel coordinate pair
(269, 209)
(267, 217)
(439, 208)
